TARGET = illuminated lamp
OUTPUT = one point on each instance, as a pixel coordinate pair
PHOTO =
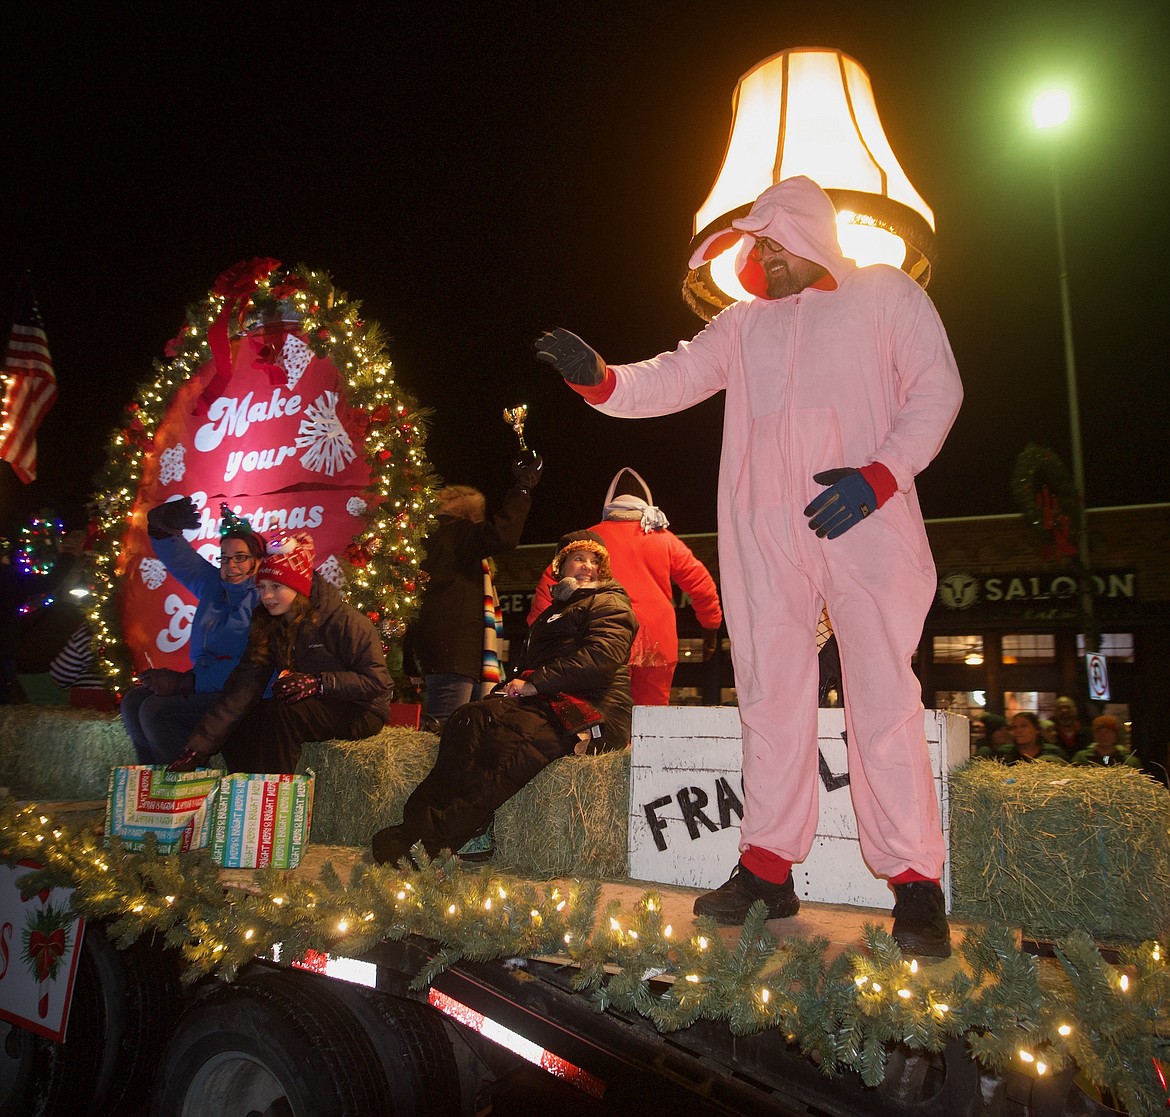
(810, 111)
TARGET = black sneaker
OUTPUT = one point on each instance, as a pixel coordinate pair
(920, 920)
(729, 902)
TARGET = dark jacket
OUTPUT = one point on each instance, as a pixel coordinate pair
(581, 646)
(342, 646)
(447, 636)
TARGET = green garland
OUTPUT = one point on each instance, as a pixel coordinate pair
(382, 565)
(1039, 474)
(1016, 1013)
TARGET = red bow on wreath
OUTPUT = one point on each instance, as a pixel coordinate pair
(45, 951)
(1056, 523)
(235, 286)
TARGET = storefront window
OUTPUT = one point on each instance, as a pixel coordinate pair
(1116, 646)
(958, 649)
(1029, 647)
(1039, 702)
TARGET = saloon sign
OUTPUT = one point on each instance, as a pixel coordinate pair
(962, 590)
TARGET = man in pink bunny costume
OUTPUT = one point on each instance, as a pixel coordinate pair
(840, 387)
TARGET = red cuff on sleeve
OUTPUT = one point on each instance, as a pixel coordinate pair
(598, 393)
(881, 480)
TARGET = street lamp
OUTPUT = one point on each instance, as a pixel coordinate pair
(1051, 110)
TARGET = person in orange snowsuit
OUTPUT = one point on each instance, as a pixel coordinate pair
(840, 386)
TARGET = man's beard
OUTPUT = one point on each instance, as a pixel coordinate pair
(793, 279)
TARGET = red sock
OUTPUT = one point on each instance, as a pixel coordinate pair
(909, 876)
(765, 864)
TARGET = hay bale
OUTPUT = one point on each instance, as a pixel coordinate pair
(571, 820)
(1056, 849)
(60, 753)
(362, 785)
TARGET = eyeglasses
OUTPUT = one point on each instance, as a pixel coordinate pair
(768, 244)
(236, 560)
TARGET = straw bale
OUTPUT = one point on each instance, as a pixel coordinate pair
(571, 820)
(60, 753)
(1054, 849)
(362, 785)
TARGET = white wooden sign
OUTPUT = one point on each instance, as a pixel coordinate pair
(40, 944)
(686, 802)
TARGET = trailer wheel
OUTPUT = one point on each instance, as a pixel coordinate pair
(933, 1084)
(123, 1003)
(410, 1038)
(274, 1043)
(18, 1070)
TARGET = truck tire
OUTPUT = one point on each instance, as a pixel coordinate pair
(273, 1043)
(123, 1005)
(410, 1039)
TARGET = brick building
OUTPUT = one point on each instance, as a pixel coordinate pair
(1005, 630)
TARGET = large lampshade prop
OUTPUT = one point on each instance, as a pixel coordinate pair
(808, 111)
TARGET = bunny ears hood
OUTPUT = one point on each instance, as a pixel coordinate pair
(795, 213)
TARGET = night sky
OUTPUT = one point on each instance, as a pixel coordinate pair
(475, 178)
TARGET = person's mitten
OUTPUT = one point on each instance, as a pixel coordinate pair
(526, 469)
(576, 361)
(172, 518)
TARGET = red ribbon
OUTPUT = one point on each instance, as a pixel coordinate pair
(235, 286)
(44, 950)
(1057, 524)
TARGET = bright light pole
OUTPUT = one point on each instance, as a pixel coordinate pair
(1051, 109)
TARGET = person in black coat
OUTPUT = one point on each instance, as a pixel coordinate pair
(447, 639)
(331, 677)
(572, 694)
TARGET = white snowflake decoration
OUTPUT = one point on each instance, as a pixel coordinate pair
(329, 448)
(355, 506)
(295, 356)
(331, 571)
(172, 466)
(153, 573)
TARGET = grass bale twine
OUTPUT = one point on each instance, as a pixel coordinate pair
(1054, 849)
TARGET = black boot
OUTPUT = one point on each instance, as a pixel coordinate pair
(391, 845)
(729, 902)
(920, 920)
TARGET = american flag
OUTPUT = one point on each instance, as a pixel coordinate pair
(29, 386)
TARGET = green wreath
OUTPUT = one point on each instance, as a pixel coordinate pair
(382, 564)
(1048, 500)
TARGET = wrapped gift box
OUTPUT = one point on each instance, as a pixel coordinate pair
(261, 821)
(173, 806)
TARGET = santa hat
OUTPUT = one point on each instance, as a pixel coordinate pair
(289, 561)
(582, 541)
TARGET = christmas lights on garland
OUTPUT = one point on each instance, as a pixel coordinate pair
(381, 566)
(1015, 1013)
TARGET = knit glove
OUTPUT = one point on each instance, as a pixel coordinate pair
(845, 503)
(172, 518)
(571, 357)
(294, 686)
(526, 469)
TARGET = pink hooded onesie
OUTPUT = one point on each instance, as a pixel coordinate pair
(646, 559)
(814, 381)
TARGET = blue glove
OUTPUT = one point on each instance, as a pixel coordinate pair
(847, 501)
(577, 362)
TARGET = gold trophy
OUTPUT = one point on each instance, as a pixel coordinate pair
(515, 417)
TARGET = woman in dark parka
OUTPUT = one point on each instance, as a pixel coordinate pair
(572, 694)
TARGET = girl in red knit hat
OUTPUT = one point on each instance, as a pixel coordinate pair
(331, 677)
